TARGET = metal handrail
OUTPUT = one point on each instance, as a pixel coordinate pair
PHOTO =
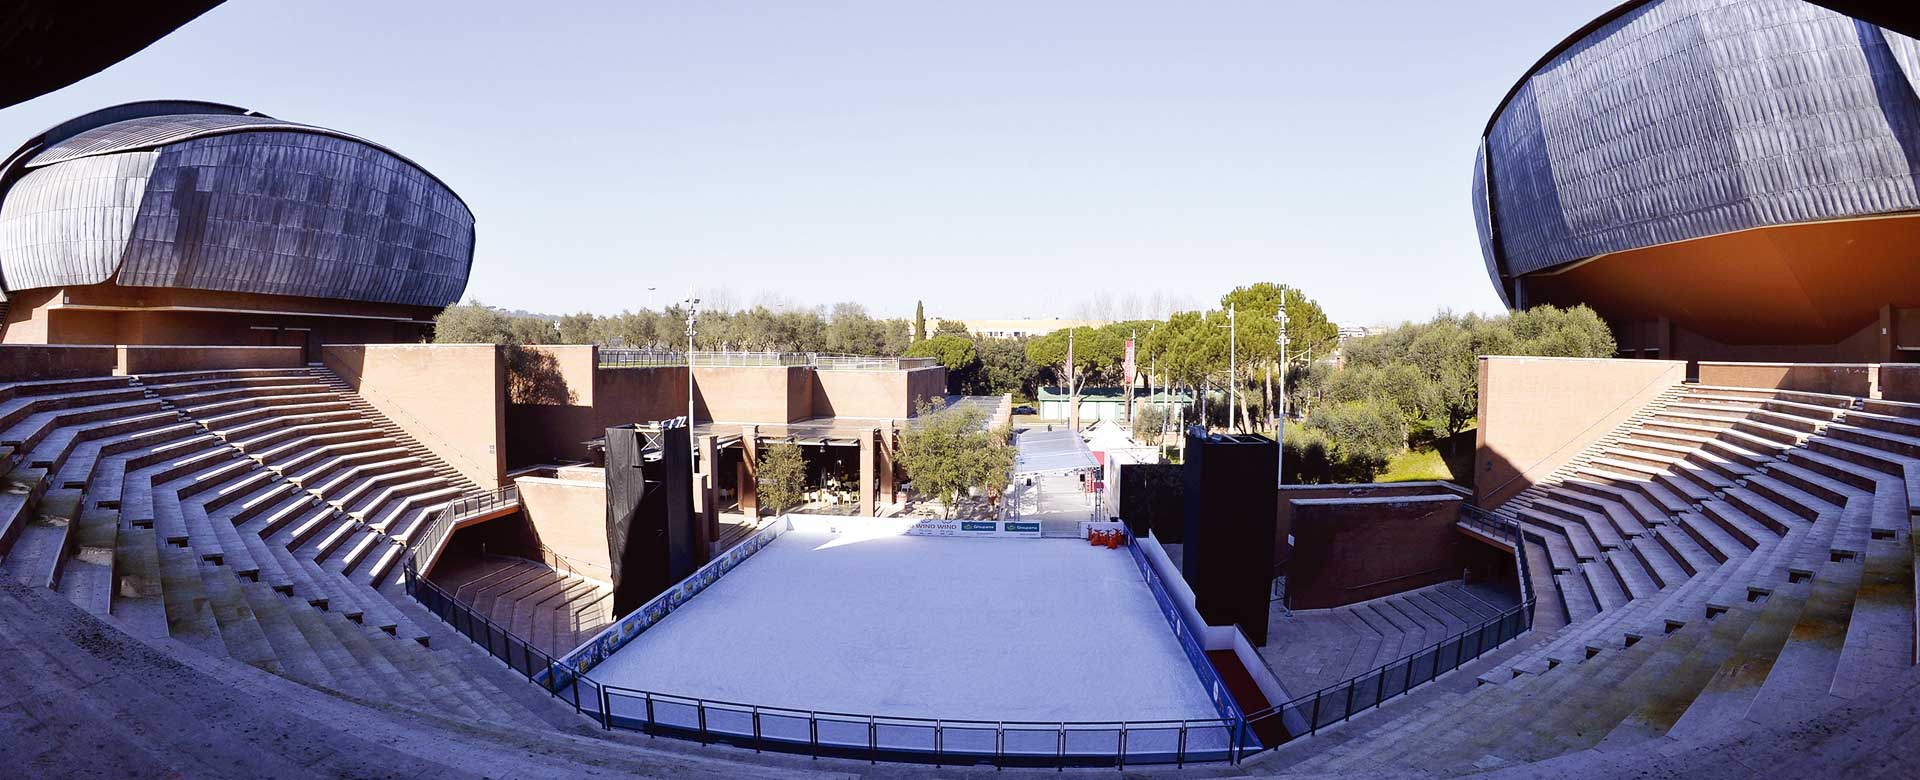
(881, 736)
(934, 743)
(1509, 624)
(708, 716)
(426, 547)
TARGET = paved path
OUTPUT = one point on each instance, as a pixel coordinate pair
(1060, 503)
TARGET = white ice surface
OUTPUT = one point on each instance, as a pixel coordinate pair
(988, 629)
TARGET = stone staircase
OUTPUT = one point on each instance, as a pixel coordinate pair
(388, 428)
(1732, 559)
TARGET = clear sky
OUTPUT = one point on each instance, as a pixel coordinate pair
(996, 159)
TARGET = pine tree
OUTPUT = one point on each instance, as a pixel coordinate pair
(781, 477)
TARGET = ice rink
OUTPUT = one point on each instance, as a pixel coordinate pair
(906, 626)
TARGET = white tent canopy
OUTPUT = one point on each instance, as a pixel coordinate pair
(1051, 452)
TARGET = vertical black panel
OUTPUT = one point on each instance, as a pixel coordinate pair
(1227, 549)
(651, 538)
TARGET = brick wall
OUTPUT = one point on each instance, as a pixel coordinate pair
(1538, 413)
(449, 397)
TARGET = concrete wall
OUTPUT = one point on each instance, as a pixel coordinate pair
(111, 314)
(1900, 382)
(1854, 379)
(160, 359)
(890, 394)
(1664, 339)
(1282, 549)
(21, 362)
(1536, 413)
(584, 401)
(569, 516)
(450, 397)
(779, 394)
(1354, 549)
(577, 401)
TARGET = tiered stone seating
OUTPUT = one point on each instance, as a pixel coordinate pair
(124, 500)
(1738, 567)
(1308, 650)
(552, 609)
(339, 489)
(1730, 559)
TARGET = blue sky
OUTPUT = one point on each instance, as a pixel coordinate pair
(996, 159)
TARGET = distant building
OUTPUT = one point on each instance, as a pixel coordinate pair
(1351, 332)
(1019, 329)
(1106, 403)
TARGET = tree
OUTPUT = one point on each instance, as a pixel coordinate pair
(477, 323)
(1149, 423)
(1361, 436)
(955, 353)
(949, 451)
(1004, 370)
(781, 477)
(850, 331)
(951, 328)
(1076, 355)
(919, 321)
(1256, 344)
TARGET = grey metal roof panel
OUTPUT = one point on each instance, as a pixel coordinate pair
(296, 213)
(154, 131)
(69, 224)
(1678, 119)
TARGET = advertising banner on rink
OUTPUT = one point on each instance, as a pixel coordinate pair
(975, 528)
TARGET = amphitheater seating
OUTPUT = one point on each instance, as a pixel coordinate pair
(1311, 649)
(166, 504)
(1728, 559)
(554, 610)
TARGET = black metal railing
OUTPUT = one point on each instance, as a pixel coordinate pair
(839, 734)
(1306, 715)
(515, 651)
(1000, 743)
(426, 547)
(918, 740)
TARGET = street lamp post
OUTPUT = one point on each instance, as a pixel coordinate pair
(1280, 428)
(1233, 369)
(693, 448)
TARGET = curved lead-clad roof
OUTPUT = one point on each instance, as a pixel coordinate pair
(213, 197)
(155, 131)
(1669, 120)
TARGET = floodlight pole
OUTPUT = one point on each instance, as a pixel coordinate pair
(693, 447)
(1233, 368)
(1280, 429)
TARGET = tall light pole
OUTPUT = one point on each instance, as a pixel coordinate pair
(1280, 429)
(1233, 368)
(650, 298)
(693, 448)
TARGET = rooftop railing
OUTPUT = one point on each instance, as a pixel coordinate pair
(647, 358)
